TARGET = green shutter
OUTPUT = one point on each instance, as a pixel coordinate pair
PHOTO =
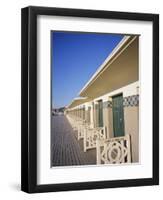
(118, 116)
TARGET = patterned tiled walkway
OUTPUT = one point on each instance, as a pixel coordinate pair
(66, 150)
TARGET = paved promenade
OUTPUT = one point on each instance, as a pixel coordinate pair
(66, 150)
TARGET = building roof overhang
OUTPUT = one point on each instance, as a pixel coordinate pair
(77, 101)
(114, 54)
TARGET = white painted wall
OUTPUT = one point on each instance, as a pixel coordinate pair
(10, 100)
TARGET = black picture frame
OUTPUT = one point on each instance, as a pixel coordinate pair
(29, 98)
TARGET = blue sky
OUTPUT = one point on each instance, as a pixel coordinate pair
(75, 58)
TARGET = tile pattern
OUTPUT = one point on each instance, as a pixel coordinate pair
(107, 104)
(110, 104)
(127, 101)
(131, 101)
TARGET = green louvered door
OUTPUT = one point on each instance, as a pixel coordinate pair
(118, 116)
(100, 113)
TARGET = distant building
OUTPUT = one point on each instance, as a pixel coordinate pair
(58, 110)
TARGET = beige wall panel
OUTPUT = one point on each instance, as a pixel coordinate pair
(110, 124)
(131, 122)
(106, 120)
(94, 116)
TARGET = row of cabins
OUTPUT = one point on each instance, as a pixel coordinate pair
(106, 111)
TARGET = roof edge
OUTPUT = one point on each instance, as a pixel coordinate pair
(102, 66)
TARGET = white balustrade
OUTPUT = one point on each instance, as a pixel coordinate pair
(113, 150)
(91, 135)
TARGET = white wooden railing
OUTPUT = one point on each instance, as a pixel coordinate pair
(82, 127)
(78, 125)
(75, 122)
(113, 150)
(91, 135)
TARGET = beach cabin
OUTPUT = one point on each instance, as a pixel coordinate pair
(106, 112)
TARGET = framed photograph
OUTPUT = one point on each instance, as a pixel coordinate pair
(90, 99)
